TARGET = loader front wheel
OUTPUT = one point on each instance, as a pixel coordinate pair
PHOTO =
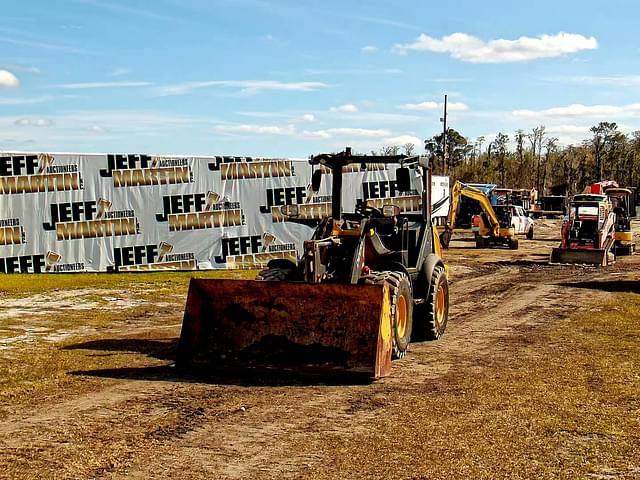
(437, 305)
(275, 274)
(401, 301)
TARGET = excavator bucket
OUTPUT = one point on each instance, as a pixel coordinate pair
(286, 325)
(600, 257)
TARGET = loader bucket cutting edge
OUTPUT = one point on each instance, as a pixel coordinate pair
(290, 325)
(599, 257)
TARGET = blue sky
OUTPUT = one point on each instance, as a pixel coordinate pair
(294, 78)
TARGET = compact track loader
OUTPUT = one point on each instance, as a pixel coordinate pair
(367, 282)
(588, 232)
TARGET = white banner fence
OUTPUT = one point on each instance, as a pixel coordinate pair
(66, 212)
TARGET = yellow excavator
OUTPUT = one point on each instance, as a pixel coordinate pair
(368, 282)
(480, 218)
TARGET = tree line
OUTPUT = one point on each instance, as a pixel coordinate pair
(534, 159)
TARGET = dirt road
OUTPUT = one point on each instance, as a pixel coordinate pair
(472, 404)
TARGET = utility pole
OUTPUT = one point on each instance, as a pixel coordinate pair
(444, 138)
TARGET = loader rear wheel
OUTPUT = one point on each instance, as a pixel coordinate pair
(401, 301)
(275, 274)
(513, 243)
(437, 305)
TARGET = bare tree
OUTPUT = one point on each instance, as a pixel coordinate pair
(409, 148)
(536, 138)
(390, 150)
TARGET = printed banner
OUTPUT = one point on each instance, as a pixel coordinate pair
(66, 212)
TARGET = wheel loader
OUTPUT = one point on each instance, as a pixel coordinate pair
(368, 281)
(588, 232)
(489, 228)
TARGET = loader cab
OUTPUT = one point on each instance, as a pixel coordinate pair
(374, 232)
(621, 202)
(586, 218)
(505, 214)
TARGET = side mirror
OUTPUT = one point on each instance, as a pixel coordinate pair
(316, 180)
(403, 179)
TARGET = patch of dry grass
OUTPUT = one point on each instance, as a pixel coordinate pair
(36, 365)
(559, 403)
(28, 283)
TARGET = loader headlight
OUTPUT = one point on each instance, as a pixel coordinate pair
(290, 210)
(390, 210)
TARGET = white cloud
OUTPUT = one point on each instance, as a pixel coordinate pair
(118, 72)
(33, 122)
(246, 86)
(97, 129)
(579, 110)
(8, 79)
(369, 49)
(290, 130)
(457, 107)
(451, 106)
(127, 11)
(616, 80)
(24, 68)
(24, 101)
(44, 45)
(420, 106)
(468, 48)
(569, 129)
(402, 140)
(255, 129)
(346, 108)
(380, 117)
(119, 84)
(392, 71)
(357, 132)
(308, 117)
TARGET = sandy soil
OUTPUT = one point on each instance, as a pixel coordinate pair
(148, 421)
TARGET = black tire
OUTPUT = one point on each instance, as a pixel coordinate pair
(513, 243)
(436, 308)
(481, 242)
(530, 234)
(401, 309)
(275, 274)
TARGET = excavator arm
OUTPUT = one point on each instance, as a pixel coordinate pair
(487, 209)
(461, 190)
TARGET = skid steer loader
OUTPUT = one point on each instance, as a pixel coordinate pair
(588, 232)
(367, 282)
